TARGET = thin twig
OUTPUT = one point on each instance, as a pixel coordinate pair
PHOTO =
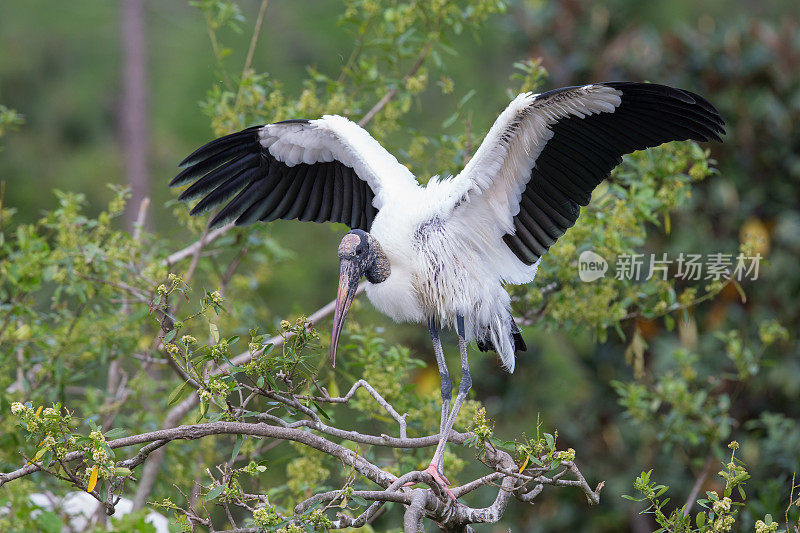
(189, 251)
(393, 91)
(252, 49)
(701, 479)
(140, 219)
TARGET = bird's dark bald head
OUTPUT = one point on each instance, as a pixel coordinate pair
(364, 256)
(355, 246)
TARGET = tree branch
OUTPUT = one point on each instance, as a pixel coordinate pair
(393, 91)
(412, 520)
(701, 479)
(190, 250)
(432, 502)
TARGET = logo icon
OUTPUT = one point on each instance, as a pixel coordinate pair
(591, 266)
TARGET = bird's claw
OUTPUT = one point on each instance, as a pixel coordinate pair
(439, 478)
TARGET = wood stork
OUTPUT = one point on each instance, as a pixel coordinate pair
(439, 254)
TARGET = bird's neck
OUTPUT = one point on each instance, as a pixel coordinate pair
(379, 269)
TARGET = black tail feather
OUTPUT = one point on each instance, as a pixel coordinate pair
(486, 344)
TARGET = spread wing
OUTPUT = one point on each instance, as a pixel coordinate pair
(329, 169)
(546, 153)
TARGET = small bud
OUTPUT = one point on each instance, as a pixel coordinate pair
(285, 325)
(17, 408)
(266, 517)
(100, 456)
(161, 289)
(722, 506)
(188, 339)
(566, 455)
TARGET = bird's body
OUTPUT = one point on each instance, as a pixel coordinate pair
(439, 254)
(442, 269)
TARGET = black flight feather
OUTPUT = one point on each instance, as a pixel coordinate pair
(583, 151)
(241, 178)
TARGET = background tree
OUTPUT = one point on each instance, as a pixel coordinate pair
(659, 374)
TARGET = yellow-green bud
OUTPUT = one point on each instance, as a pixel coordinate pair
(722, 505)
(99, 456)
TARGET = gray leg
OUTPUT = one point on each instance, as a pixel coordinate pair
(447, 384)
(463, 389)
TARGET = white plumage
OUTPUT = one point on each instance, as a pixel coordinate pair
(441, 253)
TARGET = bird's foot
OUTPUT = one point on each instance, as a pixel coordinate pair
(439, 478)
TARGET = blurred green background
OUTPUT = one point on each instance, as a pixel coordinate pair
(61, 68)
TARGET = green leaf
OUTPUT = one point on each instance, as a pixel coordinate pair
(466, 97)
(740, 290)
(39, 454)
(449, 121)
(359, 500)
(115, 433)
(321, 411)
(122, 471)
(700, 519)
(215, 492)
(214, 331)
(236, 447)
(176, 394)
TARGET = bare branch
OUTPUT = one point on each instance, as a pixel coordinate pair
(393, 91)
(190, 250)
(432, 502)
(412, 521)
(196, 431)
(400, 419)
(701, 479)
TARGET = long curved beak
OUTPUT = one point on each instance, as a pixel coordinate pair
(348, 286)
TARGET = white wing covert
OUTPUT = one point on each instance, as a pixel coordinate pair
(329, 169)
(546, 153)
